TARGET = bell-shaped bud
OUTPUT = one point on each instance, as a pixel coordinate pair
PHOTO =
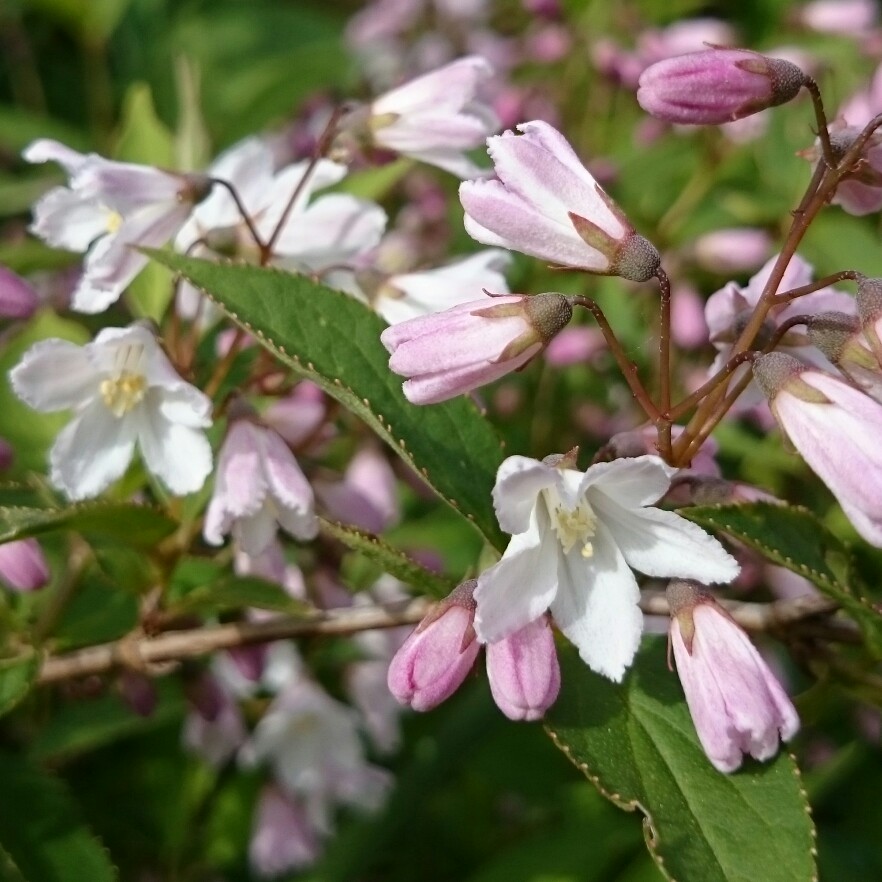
(433, 662)
(835, 427)
(736, 703)
(545, 203)
(717, 86)
(840, 337)
(460, 349)
(523, 671)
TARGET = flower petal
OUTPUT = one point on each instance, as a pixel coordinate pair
(519, 482)
(178, 455)
(518, 589)
(91, 452)
(661, 543)
(55, 375)
(630, 483)
(596, 606)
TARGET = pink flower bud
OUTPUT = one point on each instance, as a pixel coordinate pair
(736, 703)
(545, 203)
(23, 566)
(716, 86)
(433, 662)
(835, 427)
(452, 352)
(18, 299)
(523, 671)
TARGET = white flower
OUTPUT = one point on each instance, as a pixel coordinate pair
(435, 118)
(408, 295)
(107, 208)
(259, 487)
(123, 390)
(575, 537)
(312, 744)
(330, 230)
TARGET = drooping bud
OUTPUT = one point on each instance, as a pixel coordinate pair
(545, 203)
(832, 424)
(717, 86)
(433, 662)
(735, 701)
(470, 345)
(523, 671)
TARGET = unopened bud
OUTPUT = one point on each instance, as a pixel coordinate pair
(433, 662)
(717, 86)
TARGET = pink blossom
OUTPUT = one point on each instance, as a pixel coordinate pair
(736, 703)
(716, 86)
(836, 428)
(434, 661)
(23, 565)
(728, 310)
(545, 203)
(259, 486)
(107, 208)
(472, 344)
(436, 117)
(366, 497)
(523, 671)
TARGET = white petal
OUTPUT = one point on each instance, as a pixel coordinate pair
(65, 219)
(54, 375)
(518, 484)
(91, 452)
(661, 543)
(597, 607)
(333, 230)
(178, 455)
(631, 482)
(255, 533)
(289, 487)
(519, 588)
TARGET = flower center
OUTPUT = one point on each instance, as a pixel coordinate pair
(113, 221)
(123, 392)
(574, 526)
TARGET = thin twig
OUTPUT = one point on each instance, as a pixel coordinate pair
(821, 117)
(628, 368)
(153, 654)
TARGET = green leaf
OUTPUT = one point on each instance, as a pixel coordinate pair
(792, 537)
(390, 559)
(41, 835)
(88, 724)
(137, 525)
(636, 743)
(334, 341)
(16, 677)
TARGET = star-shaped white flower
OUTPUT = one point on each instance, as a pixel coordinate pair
(123, 391)
(575, 537)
